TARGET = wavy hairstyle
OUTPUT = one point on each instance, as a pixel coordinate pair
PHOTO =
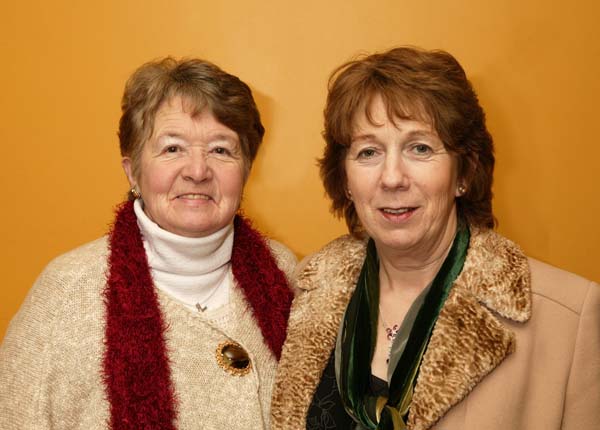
(202, 85)
(429, 86)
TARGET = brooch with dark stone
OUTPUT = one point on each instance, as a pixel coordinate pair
(233, 358)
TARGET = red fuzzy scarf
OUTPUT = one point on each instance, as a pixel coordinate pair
(136, 364)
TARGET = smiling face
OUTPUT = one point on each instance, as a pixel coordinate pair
(191, 172)
(403, 184)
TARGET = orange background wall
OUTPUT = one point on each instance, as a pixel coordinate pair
(64, 63)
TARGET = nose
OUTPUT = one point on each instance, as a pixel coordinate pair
(395, 172)
(196, 168)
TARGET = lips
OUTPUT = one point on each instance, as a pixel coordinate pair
(194, 196)
(398, 214)
(398, 211)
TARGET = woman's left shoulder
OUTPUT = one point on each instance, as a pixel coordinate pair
(494, 260)
(562, 287)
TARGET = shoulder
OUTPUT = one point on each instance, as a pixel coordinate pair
(566, 289)
(82, 256)
(59, 324)
(501, 276)
(339, 262)
(69, 286)
(284, 257)
(86, 263)
(91, 256)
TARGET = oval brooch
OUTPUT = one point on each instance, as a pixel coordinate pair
(233, 358)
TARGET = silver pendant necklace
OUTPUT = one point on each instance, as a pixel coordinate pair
(201, 306)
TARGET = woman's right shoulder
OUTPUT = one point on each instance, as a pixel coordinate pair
(338, 262)
(65, 302)
(82, 257)
(71, 283)
(81, 266)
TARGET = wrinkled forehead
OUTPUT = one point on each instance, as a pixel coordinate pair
(173, 108)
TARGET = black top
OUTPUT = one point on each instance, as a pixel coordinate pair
(326, 411)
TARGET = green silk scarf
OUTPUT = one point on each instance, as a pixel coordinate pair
(358, 335)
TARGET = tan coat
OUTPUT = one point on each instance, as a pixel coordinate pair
(516, 345)
(51, 357)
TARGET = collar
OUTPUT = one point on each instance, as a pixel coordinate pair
(136, 365)
(192, 270)
(494, 282)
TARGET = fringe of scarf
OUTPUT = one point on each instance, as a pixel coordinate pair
(136, 366)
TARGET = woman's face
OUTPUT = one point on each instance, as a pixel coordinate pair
(191, 172)
(403, 184)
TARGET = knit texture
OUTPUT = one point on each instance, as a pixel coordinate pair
(136, 367)
(51, 359)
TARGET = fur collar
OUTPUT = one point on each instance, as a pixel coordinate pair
(468, 340)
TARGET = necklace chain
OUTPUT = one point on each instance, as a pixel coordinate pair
(200, 305)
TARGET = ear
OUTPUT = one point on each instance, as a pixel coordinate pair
(127, 167)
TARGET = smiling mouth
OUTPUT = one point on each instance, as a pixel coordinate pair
(194, 197)
(398, 211)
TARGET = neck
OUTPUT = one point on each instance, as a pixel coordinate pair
(192, 270)
(412, 270)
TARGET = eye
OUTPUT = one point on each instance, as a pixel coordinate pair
(221, 150)
(421, 149)
(366, 153)
(172, 149)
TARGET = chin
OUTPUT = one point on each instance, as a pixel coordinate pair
(202, 232)
(395, 241)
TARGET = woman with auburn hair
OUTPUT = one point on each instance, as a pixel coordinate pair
(424, 317)
(176, 319)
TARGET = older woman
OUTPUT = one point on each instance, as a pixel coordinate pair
(424, 317)
(177, 318)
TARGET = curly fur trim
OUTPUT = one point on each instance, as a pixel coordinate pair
(468, 340)
(313, 326)
(467, 343)
(497, 273)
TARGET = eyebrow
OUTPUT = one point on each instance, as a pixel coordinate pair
(217, 136)
(170, 134)
(362, 137)
(225, 136)
(421, 133)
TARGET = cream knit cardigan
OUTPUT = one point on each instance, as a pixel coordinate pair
(51, 357)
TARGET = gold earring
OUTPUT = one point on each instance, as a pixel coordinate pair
(348, 194)
(134, 193)
(461, 190)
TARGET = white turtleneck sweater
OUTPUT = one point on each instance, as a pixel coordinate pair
(194, 271)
